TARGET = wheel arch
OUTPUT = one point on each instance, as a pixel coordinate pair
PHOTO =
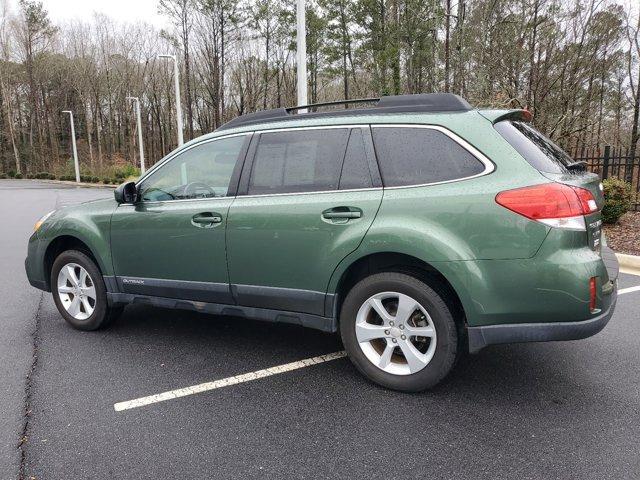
(349, 273)
(65, 242)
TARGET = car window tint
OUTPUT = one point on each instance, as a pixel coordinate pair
(541, 153)
(414, 156)
(298, 161)
(203, 171)
(355, 169)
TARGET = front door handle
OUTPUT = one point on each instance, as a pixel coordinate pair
(342, 213)
(206, 219)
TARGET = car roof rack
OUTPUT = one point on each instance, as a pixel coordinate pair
(420, 103)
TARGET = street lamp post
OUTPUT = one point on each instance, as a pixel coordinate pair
(301, 54)
(73, 142)
(176, 80)
(136, 100)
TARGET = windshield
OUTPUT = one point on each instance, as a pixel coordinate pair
(541, 153)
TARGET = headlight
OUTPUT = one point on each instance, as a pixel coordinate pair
(39, 223)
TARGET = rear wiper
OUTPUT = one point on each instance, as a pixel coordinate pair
(580, 165)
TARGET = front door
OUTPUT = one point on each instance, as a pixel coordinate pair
(171, 243)
(307, 197)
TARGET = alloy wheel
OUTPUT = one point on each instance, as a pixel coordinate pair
(396, 333)
(76, 291)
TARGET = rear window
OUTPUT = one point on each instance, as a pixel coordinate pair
(541, 153)
(416, 156)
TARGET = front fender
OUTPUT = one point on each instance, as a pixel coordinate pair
(89, 223)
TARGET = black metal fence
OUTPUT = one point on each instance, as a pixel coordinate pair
(613, 162)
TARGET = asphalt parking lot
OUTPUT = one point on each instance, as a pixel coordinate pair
(557, 410)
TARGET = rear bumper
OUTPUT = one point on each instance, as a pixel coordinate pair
(480, 337)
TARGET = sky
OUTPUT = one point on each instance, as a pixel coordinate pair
(122, 10)
(144, 10)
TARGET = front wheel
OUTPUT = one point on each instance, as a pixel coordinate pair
(79, 291)
(399, 332)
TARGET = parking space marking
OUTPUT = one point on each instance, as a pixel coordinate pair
(622, 291)
(226, 382)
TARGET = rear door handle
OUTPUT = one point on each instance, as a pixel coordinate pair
(342, 213)
(331, 215)
(206, 219)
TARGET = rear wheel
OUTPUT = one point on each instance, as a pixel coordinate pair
(79, 291)
(399, 332)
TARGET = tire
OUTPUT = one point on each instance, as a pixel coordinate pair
(81, 302)
(436, 355)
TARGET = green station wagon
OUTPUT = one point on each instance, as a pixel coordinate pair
(419, 227)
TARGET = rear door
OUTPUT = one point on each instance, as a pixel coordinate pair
(306, 199)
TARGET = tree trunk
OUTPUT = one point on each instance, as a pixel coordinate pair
(7, 102)
(635, 135)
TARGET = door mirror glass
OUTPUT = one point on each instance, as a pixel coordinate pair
(126, 193)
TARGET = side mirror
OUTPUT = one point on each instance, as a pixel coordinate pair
(126, 193)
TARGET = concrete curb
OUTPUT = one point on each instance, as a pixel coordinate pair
(69, 182)
(629, 263)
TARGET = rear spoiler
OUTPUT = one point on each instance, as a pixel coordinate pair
(495, 116)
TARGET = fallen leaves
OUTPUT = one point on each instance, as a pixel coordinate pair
(624, 237)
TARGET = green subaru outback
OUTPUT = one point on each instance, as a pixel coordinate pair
(419, 228)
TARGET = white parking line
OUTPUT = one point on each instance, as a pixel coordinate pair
(225, 382)
(622, 291)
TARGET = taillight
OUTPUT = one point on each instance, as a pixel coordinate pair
(554, 204)
(586, 199)
(592, 293)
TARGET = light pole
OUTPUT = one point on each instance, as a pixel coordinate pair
(73, 142)
(136, 100)
(301, 54)
(176, 81)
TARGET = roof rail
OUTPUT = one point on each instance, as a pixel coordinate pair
(312, 106)
(420, 103)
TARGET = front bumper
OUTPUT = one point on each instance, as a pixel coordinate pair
(34, 264)
(480, 337)
(40, 284)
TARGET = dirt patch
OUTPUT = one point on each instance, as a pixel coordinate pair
(624, 237)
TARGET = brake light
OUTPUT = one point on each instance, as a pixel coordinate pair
(592, 293)
(586, 199)
(554, 204)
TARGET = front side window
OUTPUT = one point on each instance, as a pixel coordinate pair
(415, 156)
(541, 153)
(202, 171)
(298, 161)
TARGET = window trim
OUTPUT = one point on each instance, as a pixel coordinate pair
(237, 169)
(489, 166)
(369, 152)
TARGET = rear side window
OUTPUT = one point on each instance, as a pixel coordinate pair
(541, 153)
(414, 156)
(355, 169)
(298, 161)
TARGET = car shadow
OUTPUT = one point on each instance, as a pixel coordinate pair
(523, 374)
(193, 330)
